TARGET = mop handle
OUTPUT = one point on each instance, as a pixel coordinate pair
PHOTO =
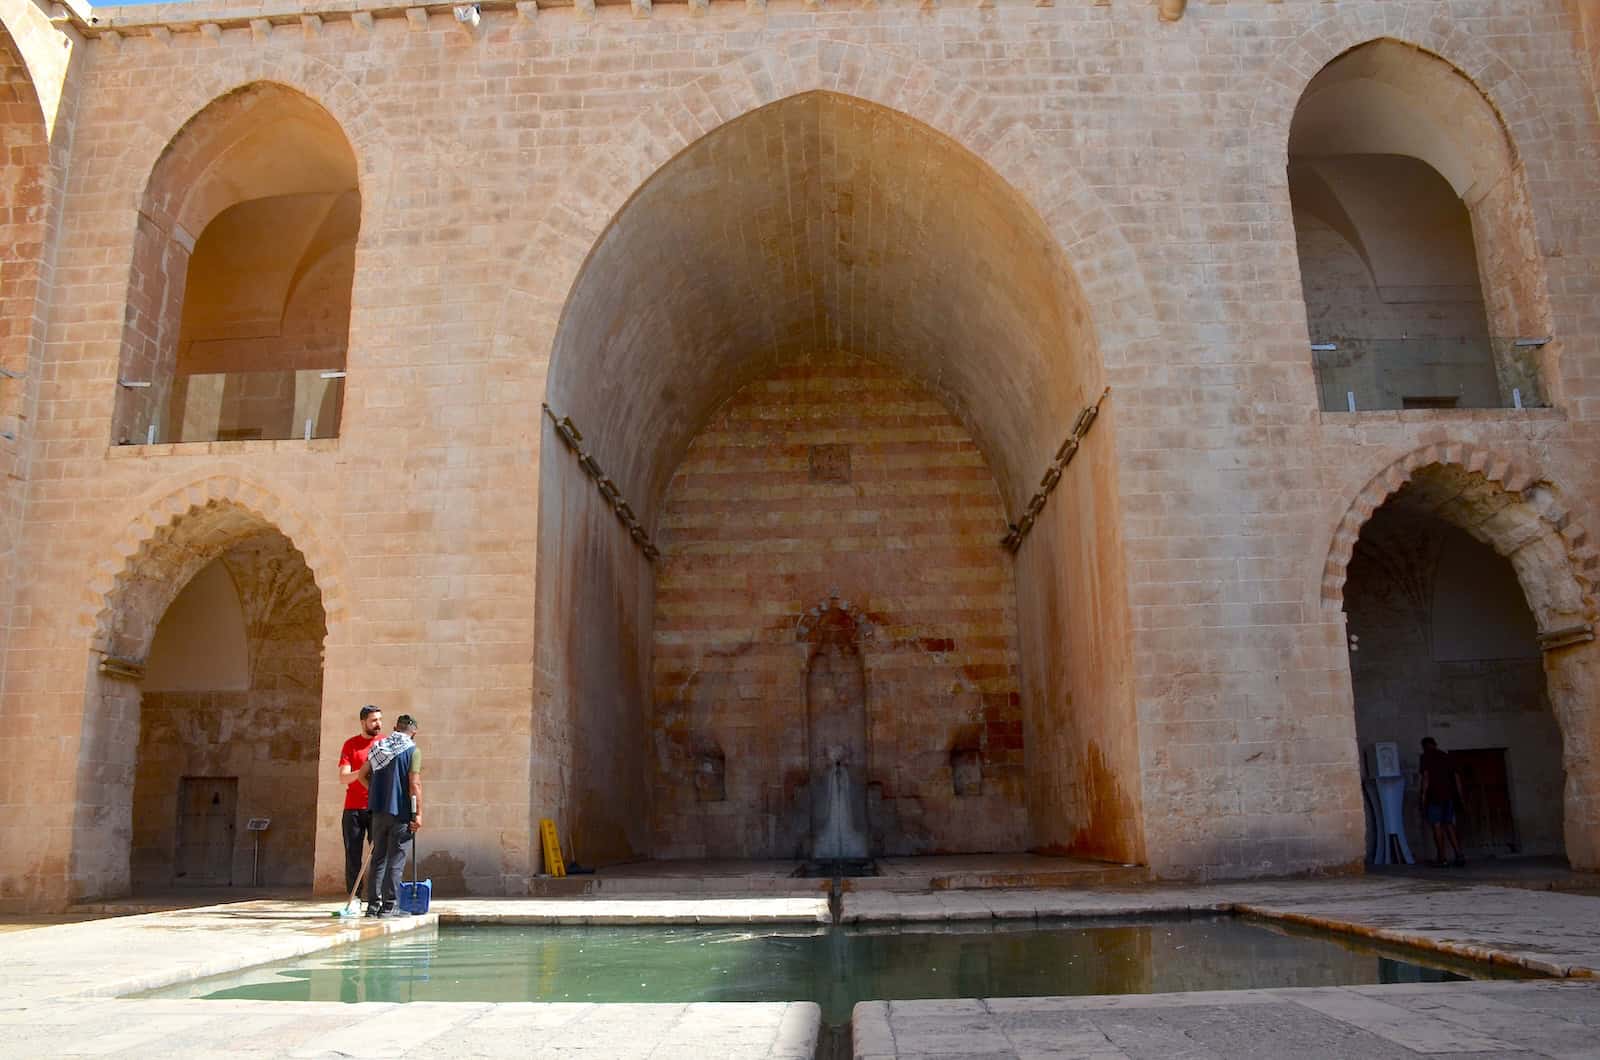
(366, 860)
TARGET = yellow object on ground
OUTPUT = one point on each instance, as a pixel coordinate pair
(552, 848)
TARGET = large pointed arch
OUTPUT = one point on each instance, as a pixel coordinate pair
(1018, 382)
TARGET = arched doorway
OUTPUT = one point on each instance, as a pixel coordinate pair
(243, 262)
(1470, 622)
(1444, 645)
(893, 316)
(204, 709)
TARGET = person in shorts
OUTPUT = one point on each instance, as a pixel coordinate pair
(1441, 794)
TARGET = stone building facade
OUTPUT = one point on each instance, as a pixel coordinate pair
(680, 408)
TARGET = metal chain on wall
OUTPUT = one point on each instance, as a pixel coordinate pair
(569, 434)
(1018, 530)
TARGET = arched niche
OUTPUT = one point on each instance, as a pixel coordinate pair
(243, 263)
(1415, 235)
(816, 227)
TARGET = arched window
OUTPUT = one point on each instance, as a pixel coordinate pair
(239, 299)
(1412, 224)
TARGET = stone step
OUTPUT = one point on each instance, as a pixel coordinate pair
(1078, 877)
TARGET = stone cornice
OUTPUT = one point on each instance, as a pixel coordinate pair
(260, 15)
(263, 16)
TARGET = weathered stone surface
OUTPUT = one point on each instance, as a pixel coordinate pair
(1390, 1022)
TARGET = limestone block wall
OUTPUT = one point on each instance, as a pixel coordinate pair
(38, 109)
(1210, 643)
(589, 768)
(835, 483)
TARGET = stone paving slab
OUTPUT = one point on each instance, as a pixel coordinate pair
(309, 1029)
(1539, 1018)
(1545, 931)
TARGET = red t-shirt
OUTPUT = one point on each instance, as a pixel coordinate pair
(354, 755)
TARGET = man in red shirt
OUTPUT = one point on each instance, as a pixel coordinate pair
(357, 822)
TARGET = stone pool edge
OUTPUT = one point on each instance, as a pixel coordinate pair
(283, 949)
(1431, 906)
(1466, 951)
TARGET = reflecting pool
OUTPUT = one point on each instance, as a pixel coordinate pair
(835, 967)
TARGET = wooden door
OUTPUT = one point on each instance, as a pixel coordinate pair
(206, 822)
(1486, 823)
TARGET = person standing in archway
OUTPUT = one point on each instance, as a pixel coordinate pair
(356, 823)
(1441, 794)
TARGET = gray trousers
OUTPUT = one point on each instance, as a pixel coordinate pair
(389, 838)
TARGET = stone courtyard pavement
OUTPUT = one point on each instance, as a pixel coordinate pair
(442, 1030)
(1544, 1018)
(63, 987)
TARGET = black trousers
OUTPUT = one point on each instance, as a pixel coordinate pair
(389, 837)
(357, 826)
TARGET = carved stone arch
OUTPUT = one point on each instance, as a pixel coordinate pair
(1507, 504)
(552, 258)
(1414, 22)
(1522, 518)
(176, 533)
(180, 530)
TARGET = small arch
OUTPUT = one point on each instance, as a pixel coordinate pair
(1506, 504)
(1517, 510)
(132, 752)
(1408, 22)
(349, 104)
(239, 296)
(146, 523)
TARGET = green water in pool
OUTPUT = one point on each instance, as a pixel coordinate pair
(835, 967)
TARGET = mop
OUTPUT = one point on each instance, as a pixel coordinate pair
(353, 907)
